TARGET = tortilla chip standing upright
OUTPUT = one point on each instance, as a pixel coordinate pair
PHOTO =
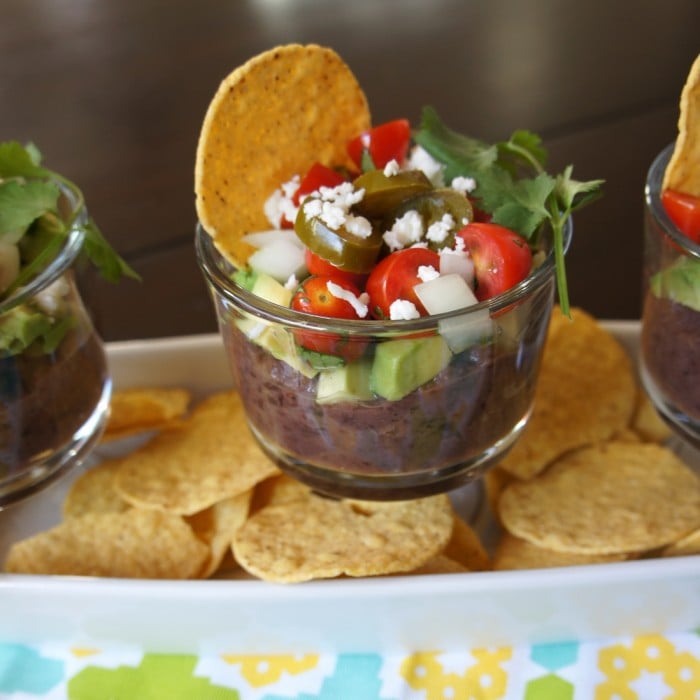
(682, 172)
(271, 119)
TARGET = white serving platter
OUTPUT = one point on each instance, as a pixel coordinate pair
(387, 614)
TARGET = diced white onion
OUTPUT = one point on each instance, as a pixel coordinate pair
(280, 259)
(458, 263)
(261, 239)
(451, 293)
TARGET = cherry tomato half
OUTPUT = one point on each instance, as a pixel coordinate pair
(684, 211)
(317, 176)
(313, 297)
(395, 277)
(385, 142)
(316, 265)
(502, 258)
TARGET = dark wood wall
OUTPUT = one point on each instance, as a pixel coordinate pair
(113, 92)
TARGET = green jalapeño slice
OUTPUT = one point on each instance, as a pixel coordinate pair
(347, 246)
(383, 193)
(432, 207)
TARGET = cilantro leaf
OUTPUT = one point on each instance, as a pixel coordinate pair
(23, 202)
(461, 154)
(18, 161)
(111, 266)
(29, 191)
(573, 195)
(511, 183)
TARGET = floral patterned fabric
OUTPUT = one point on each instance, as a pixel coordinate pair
(645, 668)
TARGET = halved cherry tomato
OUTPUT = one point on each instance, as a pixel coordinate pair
(316, 265)
(385, 142)
(317, 176)
(502, 257)
(313, 297)
(395, 277)
(684, 211)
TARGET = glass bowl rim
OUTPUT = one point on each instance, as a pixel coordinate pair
(652, 197)
(208, 257)
(64, 258)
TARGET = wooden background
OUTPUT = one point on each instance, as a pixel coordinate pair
(114, 92)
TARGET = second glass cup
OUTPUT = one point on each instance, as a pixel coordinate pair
(670, 338)
(54, 381)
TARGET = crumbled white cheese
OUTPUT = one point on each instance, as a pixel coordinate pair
(403, 310)
(460, 244)
(420, 159)
(332, 206)
(358, 226)
(427, 272)
(406, 230)
(392, 168)
(292, 282)
(438, 231)
(361, 308)
(463, 184)
(279, 205)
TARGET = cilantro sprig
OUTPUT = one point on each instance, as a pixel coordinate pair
(512, 183)
(30, 216)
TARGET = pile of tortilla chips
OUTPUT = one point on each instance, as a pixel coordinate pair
(589, 482)
(202, 498)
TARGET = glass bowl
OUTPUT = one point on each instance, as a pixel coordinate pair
(426, 407)
(54, 383)
(670, 336)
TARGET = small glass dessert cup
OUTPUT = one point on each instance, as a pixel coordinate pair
(425, 406)
(670, 336)
(54, 382)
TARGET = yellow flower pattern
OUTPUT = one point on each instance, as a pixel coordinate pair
(260, 671)
(623, 664)
(483, 680)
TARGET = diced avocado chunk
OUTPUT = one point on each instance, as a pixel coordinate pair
(269, 288)
(680, 282)
(400, 366)
(350, 382)
(275, 339)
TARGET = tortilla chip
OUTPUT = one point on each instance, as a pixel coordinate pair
(646, 421)
(615, 497)
(683, 169)
(271, 119)
(586, 393)
(318, 538)
(93, 492)
(132, 544)
(440, 564)
(690, 544)
(513, 553)
(495, 480)
(465, 547)
(216, 527)
(212, 458)
(142, 409)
